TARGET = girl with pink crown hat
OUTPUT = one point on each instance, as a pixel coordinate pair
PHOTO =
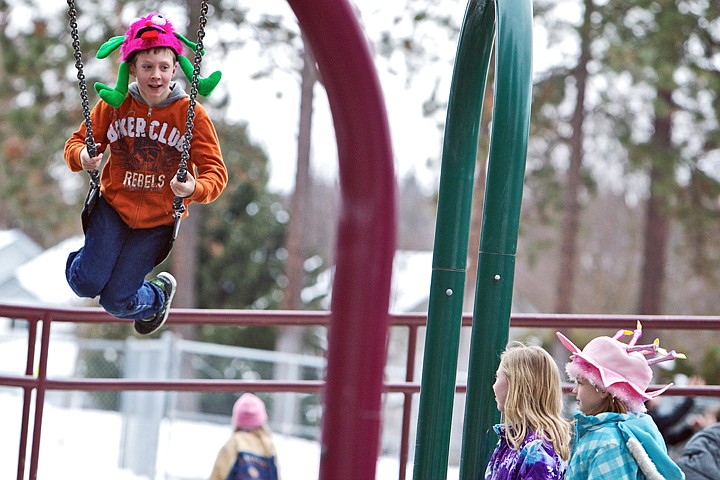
(614, 437)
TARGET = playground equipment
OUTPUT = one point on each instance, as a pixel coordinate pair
(365, 241)
(366, 230)
(501, 212)
(359, 318)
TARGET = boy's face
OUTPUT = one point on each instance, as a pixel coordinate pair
(153, 70)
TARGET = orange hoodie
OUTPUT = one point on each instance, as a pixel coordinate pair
(146, 148)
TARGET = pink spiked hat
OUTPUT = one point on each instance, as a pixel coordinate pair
(621, 369)
(150, 31)
(249, 412)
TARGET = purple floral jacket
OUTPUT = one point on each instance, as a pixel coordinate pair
(536, 459)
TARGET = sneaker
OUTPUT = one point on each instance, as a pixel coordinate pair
(167, 285)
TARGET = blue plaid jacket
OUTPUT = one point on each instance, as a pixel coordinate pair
(600, 451)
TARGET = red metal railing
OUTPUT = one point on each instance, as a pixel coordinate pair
(45, 317)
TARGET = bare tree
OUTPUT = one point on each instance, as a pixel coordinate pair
(303, 182)
(571, 205)
(290, 339)
(656, 217)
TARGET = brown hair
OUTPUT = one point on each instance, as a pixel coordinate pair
(609, 403)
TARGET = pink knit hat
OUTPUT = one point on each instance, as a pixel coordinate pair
(249, 412)
(621, 369)
(150, 31)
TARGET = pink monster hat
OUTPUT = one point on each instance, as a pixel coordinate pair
(621, 369)
(249, 412)
(150, 31)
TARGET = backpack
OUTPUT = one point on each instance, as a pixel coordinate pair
(249, 466)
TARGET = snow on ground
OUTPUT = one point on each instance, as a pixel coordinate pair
(85, 444)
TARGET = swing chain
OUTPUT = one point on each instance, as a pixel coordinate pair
(178, 203)
(89, 140)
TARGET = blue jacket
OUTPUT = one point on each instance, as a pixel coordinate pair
(619, 446)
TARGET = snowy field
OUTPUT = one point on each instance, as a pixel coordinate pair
(85, 445)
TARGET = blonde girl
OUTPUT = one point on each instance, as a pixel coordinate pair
(534, 438)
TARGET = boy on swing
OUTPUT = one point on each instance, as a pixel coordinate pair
(130, 227)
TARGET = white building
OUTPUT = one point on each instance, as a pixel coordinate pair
(30, 275)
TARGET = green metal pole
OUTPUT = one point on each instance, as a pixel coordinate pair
(498, 242)
(451, 242)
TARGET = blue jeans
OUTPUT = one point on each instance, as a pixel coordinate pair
(114, 262)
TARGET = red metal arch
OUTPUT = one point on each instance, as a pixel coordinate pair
(365, 243)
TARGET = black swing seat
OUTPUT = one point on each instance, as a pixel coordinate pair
(91, 198)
